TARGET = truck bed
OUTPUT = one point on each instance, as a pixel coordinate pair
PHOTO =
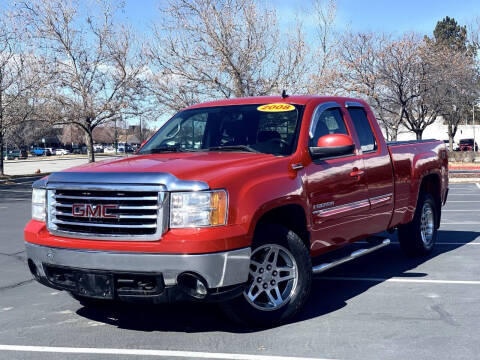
(412, 162)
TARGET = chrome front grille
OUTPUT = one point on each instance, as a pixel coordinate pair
(107, 213)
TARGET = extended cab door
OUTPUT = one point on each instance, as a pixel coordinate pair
(378, 166)
(336, 187)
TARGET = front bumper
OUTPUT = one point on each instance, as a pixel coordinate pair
(219, 270)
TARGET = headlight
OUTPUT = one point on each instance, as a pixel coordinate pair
(38, 204)
(196, 209)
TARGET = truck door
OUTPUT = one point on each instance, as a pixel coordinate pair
(336, 187)
(378, 167)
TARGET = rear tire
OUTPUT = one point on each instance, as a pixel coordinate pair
(279, 282)
(418, 237)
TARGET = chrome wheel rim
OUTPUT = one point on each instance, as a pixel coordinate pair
(427, 225)
(273, 277)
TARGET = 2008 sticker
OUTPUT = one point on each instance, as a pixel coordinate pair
(276, 107)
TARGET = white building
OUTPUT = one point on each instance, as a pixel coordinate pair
(439, 131)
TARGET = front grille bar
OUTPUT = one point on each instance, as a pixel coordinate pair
(120, 226)
(140, 212)
(138, 198)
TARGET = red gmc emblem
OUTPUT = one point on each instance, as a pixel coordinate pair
(94, 211)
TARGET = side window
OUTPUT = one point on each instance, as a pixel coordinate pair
(329, 122)
(363, 128)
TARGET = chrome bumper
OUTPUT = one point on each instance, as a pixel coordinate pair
(218, 269)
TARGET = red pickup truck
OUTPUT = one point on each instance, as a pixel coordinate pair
(233, 201)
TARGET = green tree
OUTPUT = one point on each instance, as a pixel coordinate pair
(449, 33)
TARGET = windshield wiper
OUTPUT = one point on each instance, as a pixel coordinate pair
(164, 148)
(233, 148)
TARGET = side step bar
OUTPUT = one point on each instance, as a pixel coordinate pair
(356, 254)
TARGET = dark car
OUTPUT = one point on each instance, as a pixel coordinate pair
(16, 154)
(467, 145)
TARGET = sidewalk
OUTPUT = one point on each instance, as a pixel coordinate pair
(46, 165)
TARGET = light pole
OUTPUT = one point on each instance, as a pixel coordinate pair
(475, 103)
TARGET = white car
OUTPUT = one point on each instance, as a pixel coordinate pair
(62, 152)
(109, 149)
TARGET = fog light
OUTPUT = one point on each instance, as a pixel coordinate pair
(201, 289)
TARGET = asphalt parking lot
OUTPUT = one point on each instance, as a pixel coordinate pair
(381, 306)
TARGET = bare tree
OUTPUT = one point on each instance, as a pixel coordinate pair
(324, 70)
(94, 62)
(457, 84)
(206, 49)
(366, 63)
(19, 80)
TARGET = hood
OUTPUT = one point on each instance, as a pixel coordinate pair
(202, 166)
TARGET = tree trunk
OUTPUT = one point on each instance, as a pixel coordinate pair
(419, 133)
(394, 134)
(89, 142)
(1, 155)
(450, 138)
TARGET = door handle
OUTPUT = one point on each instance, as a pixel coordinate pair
(357, 173)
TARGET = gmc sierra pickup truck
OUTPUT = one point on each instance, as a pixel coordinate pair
(235, 201)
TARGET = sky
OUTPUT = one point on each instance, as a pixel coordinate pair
(392, 16)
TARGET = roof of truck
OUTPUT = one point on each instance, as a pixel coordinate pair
(291, 99)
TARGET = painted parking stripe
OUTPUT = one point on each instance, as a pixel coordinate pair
(478, 185)
(401, 280)
(453, 194)
(437, 243)
(461, 223)
(470, 210)
(141, 352)
(16, 191)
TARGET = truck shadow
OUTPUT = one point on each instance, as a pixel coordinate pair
(327, 295)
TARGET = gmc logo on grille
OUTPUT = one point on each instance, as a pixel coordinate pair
(94, 211)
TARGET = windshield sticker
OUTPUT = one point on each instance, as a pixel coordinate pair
(275, 107)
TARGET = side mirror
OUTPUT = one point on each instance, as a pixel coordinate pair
(332, 145)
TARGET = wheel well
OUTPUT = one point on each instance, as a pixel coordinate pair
(290, 216)
(431, 185)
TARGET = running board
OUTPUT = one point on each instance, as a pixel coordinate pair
(356, 254)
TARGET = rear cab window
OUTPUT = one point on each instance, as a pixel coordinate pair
(364, 130)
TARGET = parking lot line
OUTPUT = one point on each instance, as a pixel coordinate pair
(402, 280)
(478, 185)
(461, 223)
(437, 243)
(470, 210)
(142, 352)
(16, 191)
(453, 194)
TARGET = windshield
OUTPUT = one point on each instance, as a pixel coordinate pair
(269, 129)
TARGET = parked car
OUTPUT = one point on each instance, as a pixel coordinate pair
(98, 148)
(274, 188)
(62, 152)
(16, 154)
(467, 145)
(79, 150)
(41, 151)
(109, 149)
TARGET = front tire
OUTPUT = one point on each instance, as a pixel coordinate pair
(279, 282)
(418, 237)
